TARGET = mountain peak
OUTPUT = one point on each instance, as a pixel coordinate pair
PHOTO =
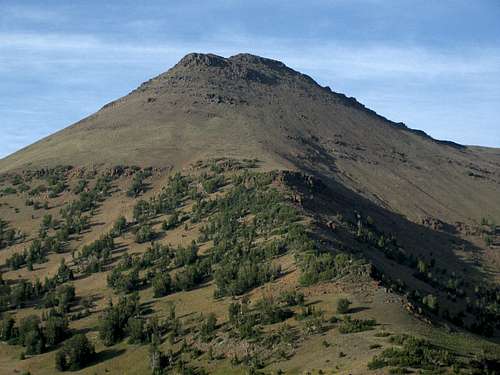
(206, 59)
(209, 71)
(240, 66)
(246, 59)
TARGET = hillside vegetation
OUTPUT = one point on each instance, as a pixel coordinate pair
(223, 268)
(231, 216)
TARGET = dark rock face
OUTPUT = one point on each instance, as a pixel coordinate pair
(247, 58)
(200, 59)
(243, 67)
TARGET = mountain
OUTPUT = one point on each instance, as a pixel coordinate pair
(241, 188)
(248, 106)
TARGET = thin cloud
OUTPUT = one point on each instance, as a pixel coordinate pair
(48, 42)
(30, 14)
(349, 61)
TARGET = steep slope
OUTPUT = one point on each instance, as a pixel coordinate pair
(251, 107)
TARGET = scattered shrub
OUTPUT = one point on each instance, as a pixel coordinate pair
(343, 306)
(144, 233)
(350, 325)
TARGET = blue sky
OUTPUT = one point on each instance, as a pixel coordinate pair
(434, 65)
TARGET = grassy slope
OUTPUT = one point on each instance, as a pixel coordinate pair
(370, 300)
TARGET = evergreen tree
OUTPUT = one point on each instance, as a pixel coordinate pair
(76, 353)
(162, 284)
(55, 330)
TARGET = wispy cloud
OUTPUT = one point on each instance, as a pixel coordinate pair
(29, 13)
(48, 42)
(351, 61)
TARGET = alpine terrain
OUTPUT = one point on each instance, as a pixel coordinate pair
(232, 216)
